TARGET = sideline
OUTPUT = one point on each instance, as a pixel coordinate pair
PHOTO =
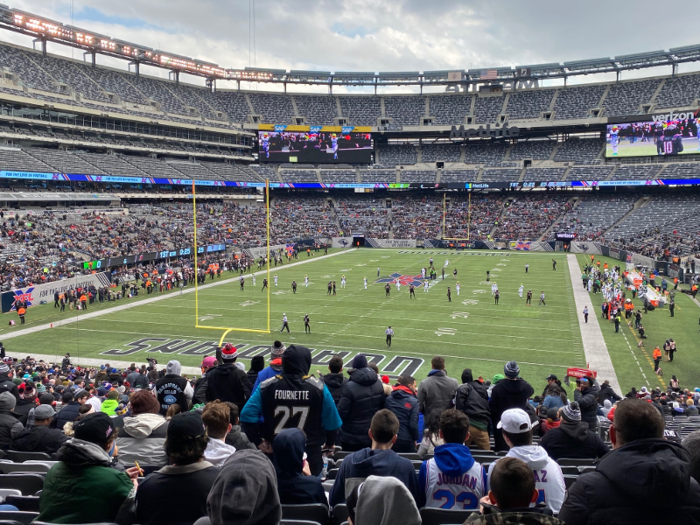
(594, 347)
(71, 320)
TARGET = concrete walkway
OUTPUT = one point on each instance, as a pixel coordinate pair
(594, 346)
(162, 297)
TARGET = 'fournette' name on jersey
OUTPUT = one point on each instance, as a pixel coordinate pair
(293, 395)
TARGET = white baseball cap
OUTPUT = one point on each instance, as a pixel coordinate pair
(515, 421)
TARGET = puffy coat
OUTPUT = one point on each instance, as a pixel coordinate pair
(39, 439)
(508, 394)
(68, 413)
(142, 438)
(573, 440)
(404, 405)
(607, 392)
(226, 383)
(472, 398)
(646, 481)
(436, 391)
(9, 427)
(362, 397)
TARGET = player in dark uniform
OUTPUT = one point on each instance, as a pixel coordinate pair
(554, 265)
(387, 288)
(307, 326)
(411, 291)
(293, 399)
(496, 296)
(242, 283)
(264, 285)
(330, 287)
(449, 294)
(488, 275)
(454, 273)
(294, 287)
(528, 299)
(333, 287)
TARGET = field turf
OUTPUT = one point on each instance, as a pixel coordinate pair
(471, 331)
(633, 365)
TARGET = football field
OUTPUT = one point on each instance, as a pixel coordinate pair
(470, 331)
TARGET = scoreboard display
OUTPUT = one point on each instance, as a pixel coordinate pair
(103, 264)
(320, 147)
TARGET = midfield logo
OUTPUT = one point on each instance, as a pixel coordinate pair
(25, 297)
(405, 280)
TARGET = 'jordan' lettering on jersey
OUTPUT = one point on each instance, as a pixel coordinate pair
(459, 492)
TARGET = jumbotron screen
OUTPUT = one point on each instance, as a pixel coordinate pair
(665, 135)
(315, 148)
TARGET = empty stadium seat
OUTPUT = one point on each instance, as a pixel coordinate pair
(340, 513)
(5, 493)
(317, 513)
(23, 517)
(9, 468)
(21, 457)
(24, 503)
(27, 484)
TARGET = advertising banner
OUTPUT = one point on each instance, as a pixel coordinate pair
(33, 295)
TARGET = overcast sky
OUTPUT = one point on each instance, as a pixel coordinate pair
(381, 35)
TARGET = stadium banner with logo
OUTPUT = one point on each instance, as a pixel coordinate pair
(33, 295)
(530, 246)
(390, 243)
(341, 242)
(594, 248)
(262, 252)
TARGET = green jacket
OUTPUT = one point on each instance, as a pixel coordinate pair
(109, 406)
(82, 488)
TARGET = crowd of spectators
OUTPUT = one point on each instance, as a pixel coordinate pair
(528, 217)
(148, 444)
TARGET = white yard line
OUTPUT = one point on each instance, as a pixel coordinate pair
(85, 317)
(594, 347)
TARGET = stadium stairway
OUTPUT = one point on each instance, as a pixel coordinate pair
(501, 215)
(641, 203)
(574, 201)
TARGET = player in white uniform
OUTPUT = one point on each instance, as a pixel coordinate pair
(520, 291)
(422, 273)
(253, 279)
(342, 282)
(426, 286)
(447, 263)
(494, 289)
(549, 480)
(275, 279)
(398, 285)
(614, 139)
(452, 479)
(365, 283)
(458, 287)
(306, 281)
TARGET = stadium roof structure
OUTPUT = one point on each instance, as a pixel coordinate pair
(46, 30)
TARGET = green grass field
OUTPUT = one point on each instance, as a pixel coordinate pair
(627, 358)
(471, 331)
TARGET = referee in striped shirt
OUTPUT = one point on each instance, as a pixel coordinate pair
(389, 334)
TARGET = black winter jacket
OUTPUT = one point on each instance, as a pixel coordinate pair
(573, 440)
(9, 427)
(68, 413)
(472, 398)
(507, 394)
(335, 383)
(362, 397)
(39, 439)
(646, 481)
(607, 392)
(405, 408)
(588, 401)
(227, 383)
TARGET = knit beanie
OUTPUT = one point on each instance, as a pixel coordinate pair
(173, 368)
(511, 370)
(143, 402)
(359, 361)
(571, 412)
(229, 353)
(278, 349)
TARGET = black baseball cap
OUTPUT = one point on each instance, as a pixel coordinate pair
(187, 424)
(95, 428)
(552, 377)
